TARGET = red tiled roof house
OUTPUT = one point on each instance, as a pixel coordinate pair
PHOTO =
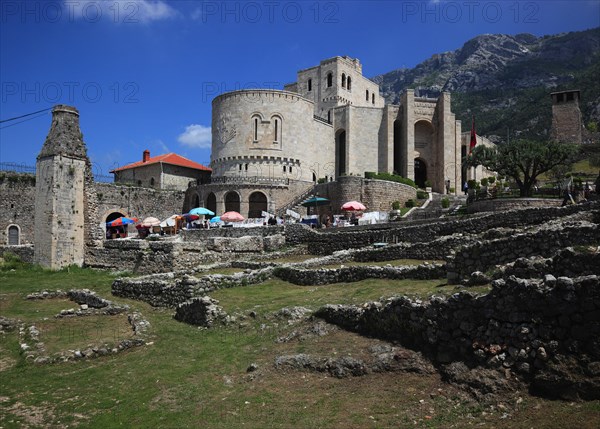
(169, 171)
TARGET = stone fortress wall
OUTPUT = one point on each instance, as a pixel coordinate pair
(17, 201)
(17, 206)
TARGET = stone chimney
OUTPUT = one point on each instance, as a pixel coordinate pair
(146, 156)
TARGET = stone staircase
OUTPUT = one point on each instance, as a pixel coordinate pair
(434, 208)
(295, 203)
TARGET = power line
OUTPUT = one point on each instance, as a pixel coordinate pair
(24, 120)
(23, 116)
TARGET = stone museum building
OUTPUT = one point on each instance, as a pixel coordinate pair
(271, 146)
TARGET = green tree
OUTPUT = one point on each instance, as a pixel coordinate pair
(523, 160)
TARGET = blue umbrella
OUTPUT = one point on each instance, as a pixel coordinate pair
(122, 221)
(215, 219)
(202, 211)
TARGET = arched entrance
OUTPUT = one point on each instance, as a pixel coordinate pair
(420, 172)
(340, 152)
(232, 202)
(113, 216)
(13, 235)
(196, 201)
(258, 204)
(118, 231)
(211, 203)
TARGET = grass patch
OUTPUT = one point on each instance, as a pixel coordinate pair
(191, 377)
(81, 332)
(275, 294)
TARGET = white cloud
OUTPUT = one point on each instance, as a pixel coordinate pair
(120, 11)
(197, 136)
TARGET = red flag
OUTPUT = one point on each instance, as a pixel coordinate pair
(473, 136)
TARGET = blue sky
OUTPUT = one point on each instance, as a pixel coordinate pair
(143, 73)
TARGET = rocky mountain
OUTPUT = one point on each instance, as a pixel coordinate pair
(505, 80)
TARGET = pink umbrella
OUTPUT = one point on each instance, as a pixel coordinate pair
(353, 206)
(232, 217)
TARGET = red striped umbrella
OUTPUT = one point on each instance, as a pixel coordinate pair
(122, 221)
(353, 206)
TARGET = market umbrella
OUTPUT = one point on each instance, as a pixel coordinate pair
(202, 211)
(168, 222)
(315, 202)
(150, 221)
(215, 219)
(353, 206)
(232, 217)
(122, 221)
(190, 217)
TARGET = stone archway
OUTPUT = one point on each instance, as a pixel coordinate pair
(420, 172)
(112, 216)
(258, 203)
(211, 203)
(232, 201)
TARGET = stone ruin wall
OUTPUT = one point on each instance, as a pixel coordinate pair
(325, 242)
(521, 325)
(504, 204)
(485, 255)
(151, 257)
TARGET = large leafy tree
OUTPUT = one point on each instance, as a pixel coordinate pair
(523, 160)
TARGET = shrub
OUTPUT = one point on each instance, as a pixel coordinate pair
(452, 190)
(396, 205)
(370, 174)
(472, 184)
(427, 184)
(422, 195)
(445, 203)
(409, 203)
(10, 261)
(491, 179)
(322, 180)
(484, 181)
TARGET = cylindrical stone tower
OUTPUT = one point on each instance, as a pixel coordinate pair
(59, 193)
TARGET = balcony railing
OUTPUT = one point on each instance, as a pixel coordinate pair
(318, 118)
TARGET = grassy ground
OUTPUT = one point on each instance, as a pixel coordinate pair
(190, 377)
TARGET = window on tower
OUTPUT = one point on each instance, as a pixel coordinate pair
(329, 80)
(343, 80)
